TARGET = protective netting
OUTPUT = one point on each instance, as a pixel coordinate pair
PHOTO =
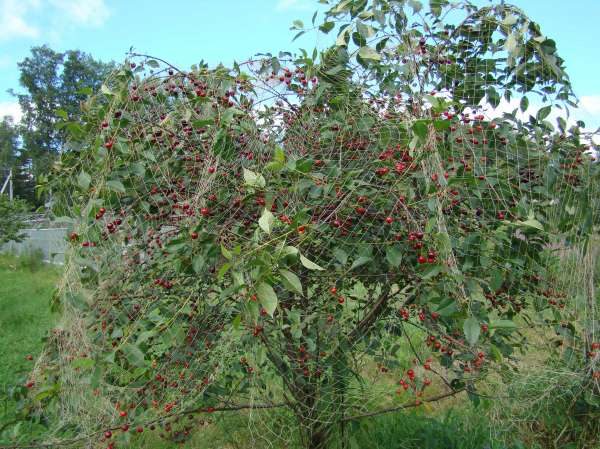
(334, 236)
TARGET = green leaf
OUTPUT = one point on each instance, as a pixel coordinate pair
(153, 63)
(511, 44)
(254, 179)
(198, 263)
(297, 25)
(62, 114)
(134, 355)
(365, 31)
(340, 255)
(83, 362)
(309, 264)
(472, 330)
(393, 255)
(543, 113)
(224, 268)
(343, 36)
(362, 260)
(416, 5)
(288, 251)
(267, 297)
(366, 52)
(291, 281)
(502, 324)
(202, 122)
(279, 155)
(420, 128)
(226, 253)
(84, 180)
(223, 145)
(115, 186)
(266, 221)
(327, 27)
(524, 104)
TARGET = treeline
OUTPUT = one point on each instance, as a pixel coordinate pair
(48, 81)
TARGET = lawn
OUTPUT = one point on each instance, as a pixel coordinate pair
(26, 286)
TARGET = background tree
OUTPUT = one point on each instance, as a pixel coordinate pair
(12, 214)
(54, 84)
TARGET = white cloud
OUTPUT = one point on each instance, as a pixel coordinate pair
(18, 17)
(83, 12)
(13, 21)
(287, 5)
(11, 108)
(590, 104)
(588, 111)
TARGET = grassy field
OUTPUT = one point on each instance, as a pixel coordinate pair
(25, 289)
(531, 411)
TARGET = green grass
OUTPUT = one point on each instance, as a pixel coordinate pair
(459, 428)
(25, 291)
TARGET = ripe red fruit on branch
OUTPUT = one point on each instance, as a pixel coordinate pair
(205, 211)
(194, 235)
(108, 145)
(389, 220)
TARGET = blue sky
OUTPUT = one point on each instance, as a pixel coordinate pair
(185, 31)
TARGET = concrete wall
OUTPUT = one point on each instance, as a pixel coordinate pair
(51, 241)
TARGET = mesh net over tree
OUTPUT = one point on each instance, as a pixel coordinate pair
(338, 235)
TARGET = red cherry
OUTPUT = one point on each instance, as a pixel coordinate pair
(389, 220)
(108, 145)
(301, 229)
(341, 300)
(211, 169)
(205, 211)
(422, 259)
(500, 215)
(122, 413)
(139, 429)
(333, 290)
(107, 434)
(194, 235)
